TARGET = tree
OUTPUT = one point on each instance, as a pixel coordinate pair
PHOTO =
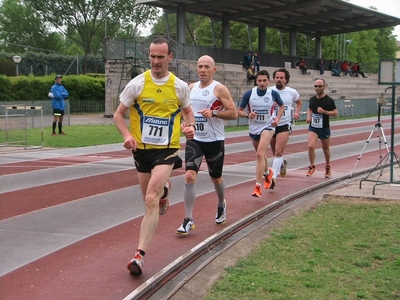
(7, 67)
(386, 44)
(23, 29)
(89, 18)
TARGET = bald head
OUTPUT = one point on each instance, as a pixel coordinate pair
(319, 86)
(206, 70)
(206, 59)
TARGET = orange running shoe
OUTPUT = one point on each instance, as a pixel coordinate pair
(257, 191)
(135, 266)
(311, 170)
(268, 179)
(327, 171)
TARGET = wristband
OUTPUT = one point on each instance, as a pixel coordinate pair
(194, 126)
(247, 116)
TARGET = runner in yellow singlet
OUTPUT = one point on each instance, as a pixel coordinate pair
(157, 99)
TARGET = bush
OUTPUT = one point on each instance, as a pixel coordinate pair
(80, 88)
(5, 89)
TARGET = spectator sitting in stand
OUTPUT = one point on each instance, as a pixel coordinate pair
(303, 66)
(344, 67)
(319, 66)
(357, 70)
(251, 74)
(255, 61)
(335, 68)
(297, 63)
(352, 74)
(246, 60)
(330, 66)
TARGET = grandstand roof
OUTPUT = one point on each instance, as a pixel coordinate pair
(327, 17)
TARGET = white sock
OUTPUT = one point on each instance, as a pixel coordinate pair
(276, 165)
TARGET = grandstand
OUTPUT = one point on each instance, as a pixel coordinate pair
(344, 87)
(354, 96)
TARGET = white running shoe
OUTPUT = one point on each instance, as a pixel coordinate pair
(187, 225)
(220, 217)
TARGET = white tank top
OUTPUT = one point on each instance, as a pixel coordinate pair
(289, 96)
(207, 129)
(264, 106)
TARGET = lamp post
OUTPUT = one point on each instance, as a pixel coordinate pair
(17, 59)
(347, 42)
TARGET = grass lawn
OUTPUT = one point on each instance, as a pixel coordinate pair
(78, 135)
(342, 249)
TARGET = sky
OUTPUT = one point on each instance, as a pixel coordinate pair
(389, 7)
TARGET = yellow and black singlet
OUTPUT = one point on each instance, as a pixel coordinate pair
(158, 111)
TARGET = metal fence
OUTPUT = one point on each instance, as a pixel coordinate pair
(346, 108)
(32, 118)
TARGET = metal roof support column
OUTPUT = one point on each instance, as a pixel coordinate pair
(262, 38)
(318, 45)
(181, 26)
(165, 13)
(281, 41)
(249, 36)
(292, 41)
(213, 32)
(226, 32)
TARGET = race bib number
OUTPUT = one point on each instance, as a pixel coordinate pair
(316, 120)
(155, 131)
(262, 117)
(201, 126)
(286, 111)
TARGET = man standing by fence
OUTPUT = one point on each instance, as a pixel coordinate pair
(58, 95)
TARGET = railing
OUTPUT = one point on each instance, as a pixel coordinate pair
(137, 61)
(184, 55)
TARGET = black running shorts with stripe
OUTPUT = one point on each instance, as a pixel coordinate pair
(213, 152)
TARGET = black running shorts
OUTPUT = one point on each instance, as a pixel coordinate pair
(146, 160)
(282, 128)
(213, 152)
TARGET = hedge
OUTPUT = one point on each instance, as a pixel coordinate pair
(80, 87)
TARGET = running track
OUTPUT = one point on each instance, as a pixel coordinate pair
(70, 218)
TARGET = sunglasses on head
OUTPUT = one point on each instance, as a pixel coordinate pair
(318, 86)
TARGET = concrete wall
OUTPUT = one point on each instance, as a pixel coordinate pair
(118, 74)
